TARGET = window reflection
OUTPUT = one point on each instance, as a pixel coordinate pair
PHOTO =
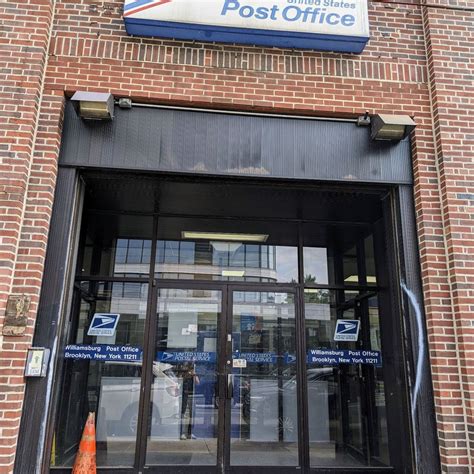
(115, 245)
(316, 268)
(346, 401)
(370, 260)
(228, 261)
(264, 385)
(351, 264)
(358, 263)
(182, 425)
(133, 251)
(109, 388)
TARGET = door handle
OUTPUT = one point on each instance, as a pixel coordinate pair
(230, 386)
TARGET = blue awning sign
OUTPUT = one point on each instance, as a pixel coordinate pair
(328, 25)
(103, 324)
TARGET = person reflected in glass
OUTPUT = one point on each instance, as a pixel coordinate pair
(189, 379)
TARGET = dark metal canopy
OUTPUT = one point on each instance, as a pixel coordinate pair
(187, 141)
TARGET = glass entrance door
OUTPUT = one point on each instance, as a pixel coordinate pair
(183, 427)
(262, 415)
(223, 388)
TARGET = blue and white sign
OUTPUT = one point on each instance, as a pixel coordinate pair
(103, 324)
(248, 322)
(103, 353)
(343, 356)
(328, 25)
(256, 357)
(347, 330)
(186, 356)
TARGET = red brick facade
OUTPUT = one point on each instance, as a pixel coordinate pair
(26, 190)
(449, 36)
(419, 61)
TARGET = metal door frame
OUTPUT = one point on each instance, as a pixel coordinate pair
(224, 326)
(224, 423)
(402, 262)
(274, 288)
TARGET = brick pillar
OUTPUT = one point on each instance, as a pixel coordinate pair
(26, 26)
(450, 38)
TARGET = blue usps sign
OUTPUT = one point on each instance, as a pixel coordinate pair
(256, 357)
(186, 356)
(347, 330)
(103, 324)
(248, 322)
(103, 353)
(342, 356)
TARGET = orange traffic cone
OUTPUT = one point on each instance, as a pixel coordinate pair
(85, 459)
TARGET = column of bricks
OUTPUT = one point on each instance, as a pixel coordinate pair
(25, 29)
(450, 39)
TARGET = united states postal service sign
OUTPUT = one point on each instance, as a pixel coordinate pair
(328, 25)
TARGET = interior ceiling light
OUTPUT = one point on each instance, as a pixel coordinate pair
(233, 273)
(94, 105)
(391, 127)
(228, 237)
(355, 279)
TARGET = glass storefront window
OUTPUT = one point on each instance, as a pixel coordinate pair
(369, 252)
(115, 245)
(345, 380)
(316, 266)
(358, 264)
(224, 361)
(350, 267)
(350, 262)
(104, 373)
(226, 261)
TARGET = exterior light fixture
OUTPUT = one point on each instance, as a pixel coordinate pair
(228, 237)
(125, 103)
(391, 127)
(363, 120)
(94, 105)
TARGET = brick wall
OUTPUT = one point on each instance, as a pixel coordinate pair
(24, 35)
(450, 52)
(406, 68)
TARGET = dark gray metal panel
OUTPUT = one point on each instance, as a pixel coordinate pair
(422, 410)
(32, 439)
(231, 144)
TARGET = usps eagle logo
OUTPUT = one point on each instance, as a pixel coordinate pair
(103, 324)
(347, 330)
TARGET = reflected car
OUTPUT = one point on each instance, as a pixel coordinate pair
(119, 401)
(260, 398)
